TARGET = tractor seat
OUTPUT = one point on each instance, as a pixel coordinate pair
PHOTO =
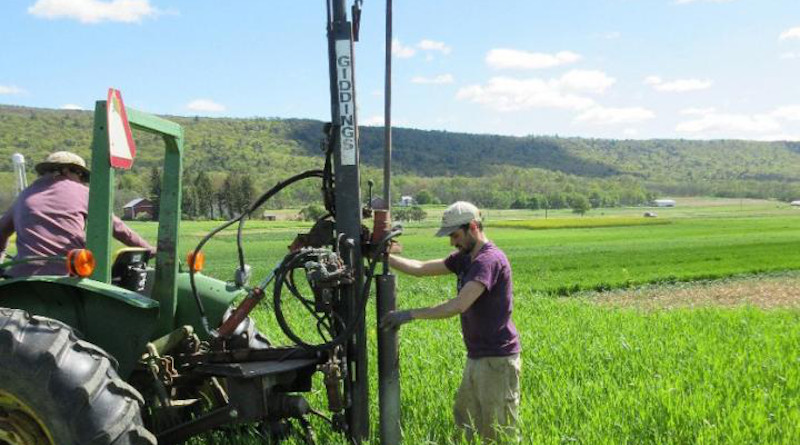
(130, 270)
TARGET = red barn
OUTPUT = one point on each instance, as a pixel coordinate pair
(137, 207)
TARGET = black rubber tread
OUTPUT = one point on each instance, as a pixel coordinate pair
(71, 384)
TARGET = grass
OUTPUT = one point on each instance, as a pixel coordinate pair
(593, 372)
(598, 375)
(603, 373)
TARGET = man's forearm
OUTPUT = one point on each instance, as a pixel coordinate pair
(418, 268)
(458, 305)
(405, 265)
(447, 309)
(125, 235)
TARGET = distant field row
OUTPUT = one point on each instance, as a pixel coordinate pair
(576, 253)
(570, 223)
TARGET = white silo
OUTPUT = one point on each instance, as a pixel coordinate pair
(19, 172)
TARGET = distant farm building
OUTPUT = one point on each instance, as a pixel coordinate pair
(796, 203)
(137, 207)
(406, 201)
(664, 203)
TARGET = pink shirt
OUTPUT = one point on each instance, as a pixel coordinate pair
(50, 220)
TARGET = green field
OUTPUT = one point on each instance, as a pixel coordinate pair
(703, 240)
(596, 373)
(601, 373)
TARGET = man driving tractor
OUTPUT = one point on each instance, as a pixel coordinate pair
(49, 217)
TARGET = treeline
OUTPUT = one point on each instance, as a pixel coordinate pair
(200, 199)
(493, 171)
(514, 187)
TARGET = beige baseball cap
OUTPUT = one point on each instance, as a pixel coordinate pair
(60, 159)
(458, 214)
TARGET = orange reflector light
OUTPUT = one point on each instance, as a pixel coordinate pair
(196, 264)
(80, 262)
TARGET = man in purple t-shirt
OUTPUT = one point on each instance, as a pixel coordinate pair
(488, 398)
(49, 217)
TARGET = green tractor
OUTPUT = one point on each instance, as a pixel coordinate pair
(143, 351)
(71, 344)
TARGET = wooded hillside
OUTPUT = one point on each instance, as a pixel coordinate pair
(496, 171)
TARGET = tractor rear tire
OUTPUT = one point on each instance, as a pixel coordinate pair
(58, 389)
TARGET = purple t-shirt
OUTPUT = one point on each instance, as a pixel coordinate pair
(487, 326)
(50, 218)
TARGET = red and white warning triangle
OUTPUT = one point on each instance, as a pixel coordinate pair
(121, 147)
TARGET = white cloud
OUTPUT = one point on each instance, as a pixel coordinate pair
(401, 51)
(376, 120)
(507, 94)
(591, 81)
(630, 132)
(697, 111)
(94, 11)
(567, 92)
(503, 58)
(438, 80)
(790, 56)
(678, 85)
(72, 107)
(789, 113)
(431, 45)
(725, 124)
(779, 137)
(763, 126)
(792, 33)
(205, 105)
(614, 116)
(11, 89)
(653, 80)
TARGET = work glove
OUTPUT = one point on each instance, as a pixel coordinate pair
(395, 247)
(395, 319)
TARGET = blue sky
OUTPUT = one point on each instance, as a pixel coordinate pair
(693, 69)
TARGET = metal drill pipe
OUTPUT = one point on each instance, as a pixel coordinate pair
(388, 365)
(386, 283)
(387, 111)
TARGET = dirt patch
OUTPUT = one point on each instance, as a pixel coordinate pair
(764, 292)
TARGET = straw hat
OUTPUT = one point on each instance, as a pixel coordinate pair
(61, 159)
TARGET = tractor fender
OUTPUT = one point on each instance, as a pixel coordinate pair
(115, 319)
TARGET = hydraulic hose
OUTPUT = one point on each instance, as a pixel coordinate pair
(290, 261)
(260, 201)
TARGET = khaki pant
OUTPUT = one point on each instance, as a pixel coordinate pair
(488, 398)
